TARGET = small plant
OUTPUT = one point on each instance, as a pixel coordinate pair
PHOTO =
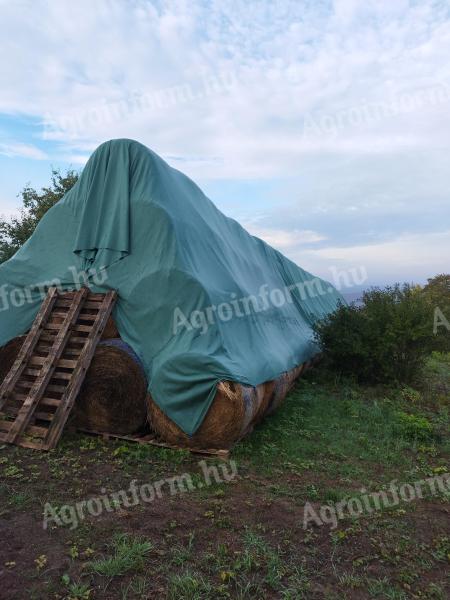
(413, 426)
(129, 555)
(188, 586)
(40, 562)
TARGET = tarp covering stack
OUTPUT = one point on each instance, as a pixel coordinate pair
(200, 300)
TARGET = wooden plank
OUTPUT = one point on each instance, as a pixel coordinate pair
(87, 317)
(64, 363)
(62, 375)
(42, 414)
(87, 305)
(51, 401)
(27, 347)
(62, 412)
(27, 443)
(58, 315)
(51, 388)
(47, 336)
(52, 326)
(37, 391)
(7, 426)
(82, 328)
(32, 372)
(37, 360)
(72, 351)
(45, 403)
(154, 441)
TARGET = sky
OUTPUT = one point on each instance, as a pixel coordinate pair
(322, 127)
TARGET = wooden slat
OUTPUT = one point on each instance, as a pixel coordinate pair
(41, 414)
(37, 391)
(154, 441)
(27, 347)
(58, 315)
(62, 412)
(65, 363)
(82, 328)
(62, 375)
(55, 326)
(87, 305)
(8, 426)
(28, 384)
(50, 401)
(47, 336)
(37, 360)
(72, 351)
(87, 317)
(32, 372)
(44, 403)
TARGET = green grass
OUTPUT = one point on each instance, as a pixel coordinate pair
(350, 430)
(329, 439)
(129, 554)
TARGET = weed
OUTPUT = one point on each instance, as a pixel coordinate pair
(129, 555)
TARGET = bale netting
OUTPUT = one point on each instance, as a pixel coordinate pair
(235, 410)
(112, 398)
(8, 355)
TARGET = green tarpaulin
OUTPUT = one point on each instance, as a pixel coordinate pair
(200, 299)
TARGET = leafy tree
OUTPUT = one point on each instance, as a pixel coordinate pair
(15, 231)
(386, 339)
(437, 294)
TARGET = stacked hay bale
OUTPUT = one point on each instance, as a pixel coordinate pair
(114, 398)
(234, 412)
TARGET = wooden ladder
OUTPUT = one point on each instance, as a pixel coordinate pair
(39, 392)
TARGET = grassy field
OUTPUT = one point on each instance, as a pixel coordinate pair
(245, 536)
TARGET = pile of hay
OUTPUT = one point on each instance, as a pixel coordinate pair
(112, 398)
(234, 412)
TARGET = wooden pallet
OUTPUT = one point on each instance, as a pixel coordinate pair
(39, 392)
(153, 440)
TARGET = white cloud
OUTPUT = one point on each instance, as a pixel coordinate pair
(15, 149)
(346, 104)
(283, 239)
(407, 258)
(268, 67)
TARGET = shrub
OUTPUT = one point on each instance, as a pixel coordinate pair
(413, 426)
(386, 339)
(437, 294)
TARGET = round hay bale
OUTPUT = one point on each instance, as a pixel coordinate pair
(112, 398)
(221, 427)
(8, 355)
(235, 410)
(282, 385)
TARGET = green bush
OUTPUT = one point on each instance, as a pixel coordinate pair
(437, 294)
(413, 426)
(386, 339)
